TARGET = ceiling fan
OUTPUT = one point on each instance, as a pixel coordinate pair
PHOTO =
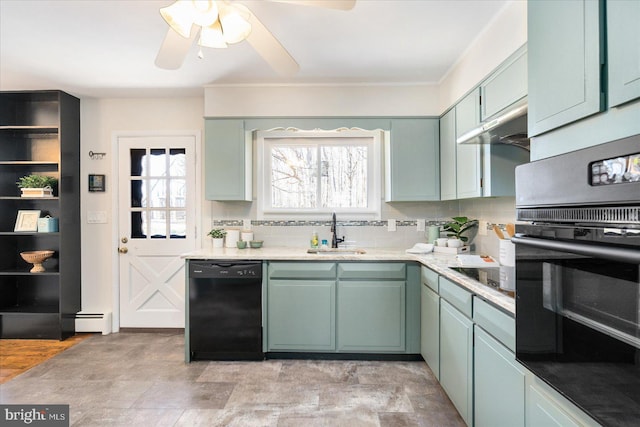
(218, 23)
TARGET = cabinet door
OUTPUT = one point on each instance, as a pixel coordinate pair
(448, 156)
(371, 316)
(506, 86)
(468, 156)
(228, 161)
(300, 315)
(564, 62)
(412, 161)
(430, 329)
(499, 384)
(623, 41)
(456, 359)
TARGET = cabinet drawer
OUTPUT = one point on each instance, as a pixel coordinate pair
(498, 323)
(456, 296)
(302, 270)
(370, 270)
(429, 278)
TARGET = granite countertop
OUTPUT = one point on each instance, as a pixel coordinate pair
(440, 263)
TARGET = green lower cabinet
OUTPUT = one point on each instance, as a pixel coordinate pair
(300, 315)
(430, 329)
(456, 359)
(371, 316)
(499, 384)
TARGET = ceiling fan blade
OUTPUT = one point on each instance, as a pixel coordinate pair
(329, 4)
(174, 49)
(270, 49)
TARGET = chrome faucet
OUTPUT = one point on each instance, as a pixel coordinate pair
(334, 239)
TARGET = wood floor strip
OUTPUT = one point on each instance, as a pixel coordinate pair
(18, 356)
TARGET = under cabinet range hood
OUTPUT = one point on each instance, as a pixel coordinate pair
(508, 127)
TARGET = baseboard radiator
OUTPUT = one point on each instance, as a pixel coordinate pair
(93, 322)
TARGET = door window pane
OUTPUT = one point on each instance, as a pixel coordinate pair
(158, 224)
(177, 192)
(177, 162)
(178, 224)
(137, 225)
(158, 162)
(157, 193)
(137, 161)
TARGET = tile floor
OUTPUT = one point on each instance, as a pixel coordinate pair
(136, 378)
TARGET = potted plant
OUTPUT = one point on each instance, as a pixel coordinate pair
(37, 185)
(459, 226)
(217, 234)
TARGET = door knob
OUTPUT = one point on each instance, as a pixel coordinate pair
(123, 250)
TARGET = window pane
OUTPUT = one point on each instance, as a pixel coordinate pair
(344, 176)
(158, 224)
(177, 162)
(137, 161)
(158, 162)
(137, 225)
(136, 193)
(178, 224)
(294, 177)
(157, 193)
(177, 193)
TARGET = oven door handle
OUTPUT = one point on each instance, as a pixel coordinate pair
(631, 256)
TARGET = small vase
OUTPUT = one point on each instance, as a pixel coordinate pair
(218, 243)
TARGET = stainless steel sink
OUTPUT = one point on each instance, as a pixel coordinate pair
(337, 251)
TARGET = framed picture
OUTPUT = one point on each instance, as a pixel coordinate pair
(27, 221)
(96, 182)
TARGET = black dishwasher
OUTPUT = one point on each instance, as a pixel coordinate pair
(225, 310)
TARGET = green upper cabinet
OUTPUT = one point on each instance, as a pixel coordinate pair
(623, 44)
(565, 57)
(505, 86)
(412, 161)
(468, 157)
(228, 161)
(448, 156)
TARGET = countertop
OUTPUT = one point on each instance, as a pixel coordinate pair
(438, 262)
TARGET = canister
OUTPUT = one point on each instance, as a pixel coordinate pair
(247, 235)
(232, 237)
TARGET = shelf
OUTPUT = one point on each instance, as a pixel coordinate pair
(31, 129)
(28, 233)
(27, 163)
(27, 273)
(30, 310)
(28, 198)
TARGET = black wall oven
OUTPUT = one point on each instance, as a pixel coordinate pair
(578, 277)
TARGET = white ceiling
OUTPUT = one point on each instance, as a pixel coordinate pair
(107, 48)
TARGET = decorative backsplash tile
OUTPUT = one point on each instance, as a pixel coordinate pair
(297, 223)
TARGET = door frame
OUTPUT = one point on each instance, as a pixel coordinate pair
(115, 171)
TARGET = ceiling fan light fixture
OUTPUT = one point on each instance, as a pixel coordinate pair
(179, 16)
(235, 22)
(205, 12)
(211, 36)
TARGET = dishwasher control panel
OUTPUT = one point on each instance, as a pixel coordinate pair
(221, 269)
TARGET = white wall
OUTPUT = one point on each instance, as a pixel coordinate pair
(100, 118)
(503, 36)
(320, 100)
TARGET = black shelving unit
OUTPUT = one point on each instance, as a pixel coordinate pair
(40, 134)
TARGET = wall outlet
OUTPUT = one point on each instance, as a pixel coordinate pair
(391, 225)
(482, 227)
(420, 224)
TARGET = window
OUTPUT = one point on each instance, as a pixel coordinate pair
(307, 174)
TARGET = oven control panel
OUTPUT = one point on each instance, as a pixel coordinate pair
(616, 170)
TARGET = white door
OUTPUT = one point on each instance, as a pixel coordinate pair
(156, 223)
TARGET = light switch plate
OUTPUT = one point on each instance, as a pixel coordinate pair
(420, 224)
(391, 225)
(96, 217)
